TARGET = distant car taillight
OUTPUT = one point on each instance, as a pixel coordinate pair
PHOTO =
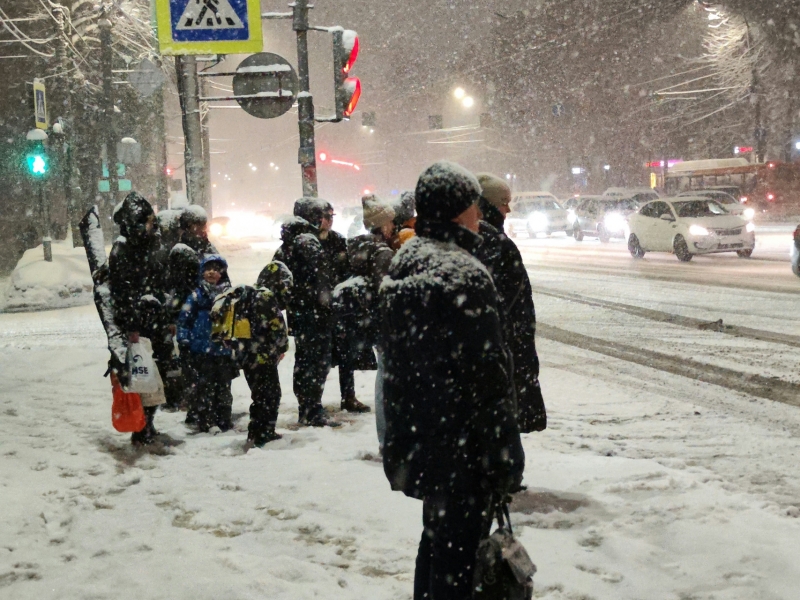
(743, 199)
(770, 197)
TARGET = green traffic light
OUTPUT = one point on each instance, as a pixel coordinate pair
(37, 165)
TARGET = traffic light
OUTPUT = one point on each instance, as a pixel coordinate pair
(348, 89)
(37, 161)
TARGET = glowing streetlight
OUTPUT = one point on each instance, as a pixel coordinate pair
(459, 93)
(468, 102)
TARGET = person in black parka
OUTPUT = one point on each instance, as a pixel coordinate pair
(502, 258)
(194, 230)
(452, 438)
(335, 246)
(137, 276)
(309, 308)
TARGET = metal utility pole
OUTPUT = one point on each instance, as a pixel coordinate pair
(162, 179)
(204, 125)
(305, 102)
(106, 59)
(189, 92)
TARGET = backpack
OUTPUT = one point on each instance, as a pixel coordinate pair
(355, 328)
(503, 570)
(249, 320)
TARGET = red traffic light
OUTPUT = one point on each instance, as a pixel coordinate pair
(350, 46)
(352, 87)
(323, 157)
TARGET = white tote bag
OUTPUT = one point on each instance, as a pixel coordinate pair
(142, 367)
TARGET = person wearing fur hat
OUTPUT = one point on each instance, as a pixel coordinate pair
(138, 280)
(309, 312)
(452, 438)
(502, 258)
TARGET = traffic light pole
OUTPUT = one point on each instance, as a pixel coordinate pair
(106, 58)
(44, 214)
(305, 102)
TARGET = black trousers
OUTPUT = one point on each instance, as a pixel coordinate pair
(454, 526)
(312, 363)
(265, 393)
(213, 400)
(347, 382)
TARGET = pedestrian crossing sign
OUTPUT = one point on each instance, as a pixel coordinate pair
(209, 26)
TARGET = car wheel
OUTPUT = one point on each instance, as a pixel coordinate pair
(577, 234)
(681, 249)
(745, 253)
(603, 234)
(634, 247)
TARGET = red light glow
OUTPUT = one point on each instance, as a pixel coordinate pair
(323, 157)
(367, 192)
(353, 56)
(352, 85)
(770, 197)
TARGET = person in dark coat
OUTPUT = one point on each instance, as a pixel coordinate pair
(137, 277)
(452, 438)
(370, 257)
(335, 246)
(404, 219)
(194, 230)
(211, 362)
(502, 258)
(309, 308)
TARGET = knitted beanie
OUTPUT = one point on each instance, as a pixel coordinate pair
(494, 189)
(377, 212)
(444, 191)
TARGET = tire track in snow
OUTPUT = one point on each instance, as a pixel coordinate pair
(754, 385)
(673, 319)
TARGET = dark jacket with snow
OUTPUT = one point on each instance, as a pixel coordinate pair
(450, 416)
(194, 321)
(199, 244)
(503, 260)
(301, 251)
(137, 269)
(335, 247)
(183, 265)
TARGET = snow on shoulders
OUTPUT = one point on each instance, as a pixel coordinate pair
(39, 285)
(353, 282)
(197, 211)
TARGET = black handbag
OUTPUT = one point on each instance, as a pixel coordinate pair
(503, 570)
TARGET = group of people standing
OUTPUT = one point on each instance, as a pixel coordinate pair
(434, 297)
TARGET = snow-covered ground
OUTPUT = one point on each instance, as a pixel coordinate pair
(646, 485)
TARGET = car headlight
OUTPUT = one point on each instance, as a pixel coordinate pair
(750, 227)
(749, 213)
(538, 221)
(615, 222)
(571, 216)
(215, 229)
(698, 230)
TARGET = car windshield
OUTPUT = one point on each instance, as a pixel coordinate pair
(699, 208)
(544, 204)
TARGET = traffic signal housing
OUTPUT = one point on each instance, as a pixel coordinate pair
(348, 89)
(36, 158)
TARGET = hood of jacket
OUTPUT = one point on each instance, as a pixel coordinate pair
(131, 216)
(310, 209)
(296, 226)
(208, 258)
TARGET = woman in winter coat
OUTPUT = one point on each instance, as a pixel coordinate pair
(211, 363)
(370, 256)
(501, 257)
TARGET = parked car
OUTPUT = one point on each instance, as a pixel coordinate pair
(604, 218)
(689, 226)
(640, 195)
(536, 212)
(795, 252)
(731, 203)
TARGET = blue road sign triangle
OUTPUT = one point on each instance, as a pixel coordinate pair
(209, 20)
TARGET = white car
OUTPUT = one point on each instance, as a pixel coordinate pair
(731, 204)
(640, 195)
(536, 212)
(688, 226)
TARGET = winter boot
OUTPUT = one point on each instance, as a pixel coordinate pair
(313, 415)
(351, 404)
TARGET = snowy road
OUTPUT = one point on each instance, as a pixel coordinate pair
(646, 485)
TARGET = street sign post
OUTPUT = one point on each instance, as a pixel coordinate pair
(209, 26)
(40, 104)
(146, 78)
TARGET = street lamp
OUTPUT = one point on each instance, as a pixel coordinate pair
(468, 102)
(459, 93)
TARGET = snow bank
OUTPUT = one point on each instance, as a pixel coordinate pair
(39, 285)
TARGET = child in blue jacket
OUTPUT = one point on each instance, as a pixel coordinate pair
(211, 363)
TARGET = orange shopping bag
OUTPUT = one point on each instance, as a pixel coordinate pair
(127, 414)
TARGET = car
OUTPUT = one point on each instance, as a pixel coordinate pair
(689, 226)
(795, 252)
(536, 212)
(640, 195)
(731, 204)
(571, 202)
(602, 217)
(218, 226)
(733, 190)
